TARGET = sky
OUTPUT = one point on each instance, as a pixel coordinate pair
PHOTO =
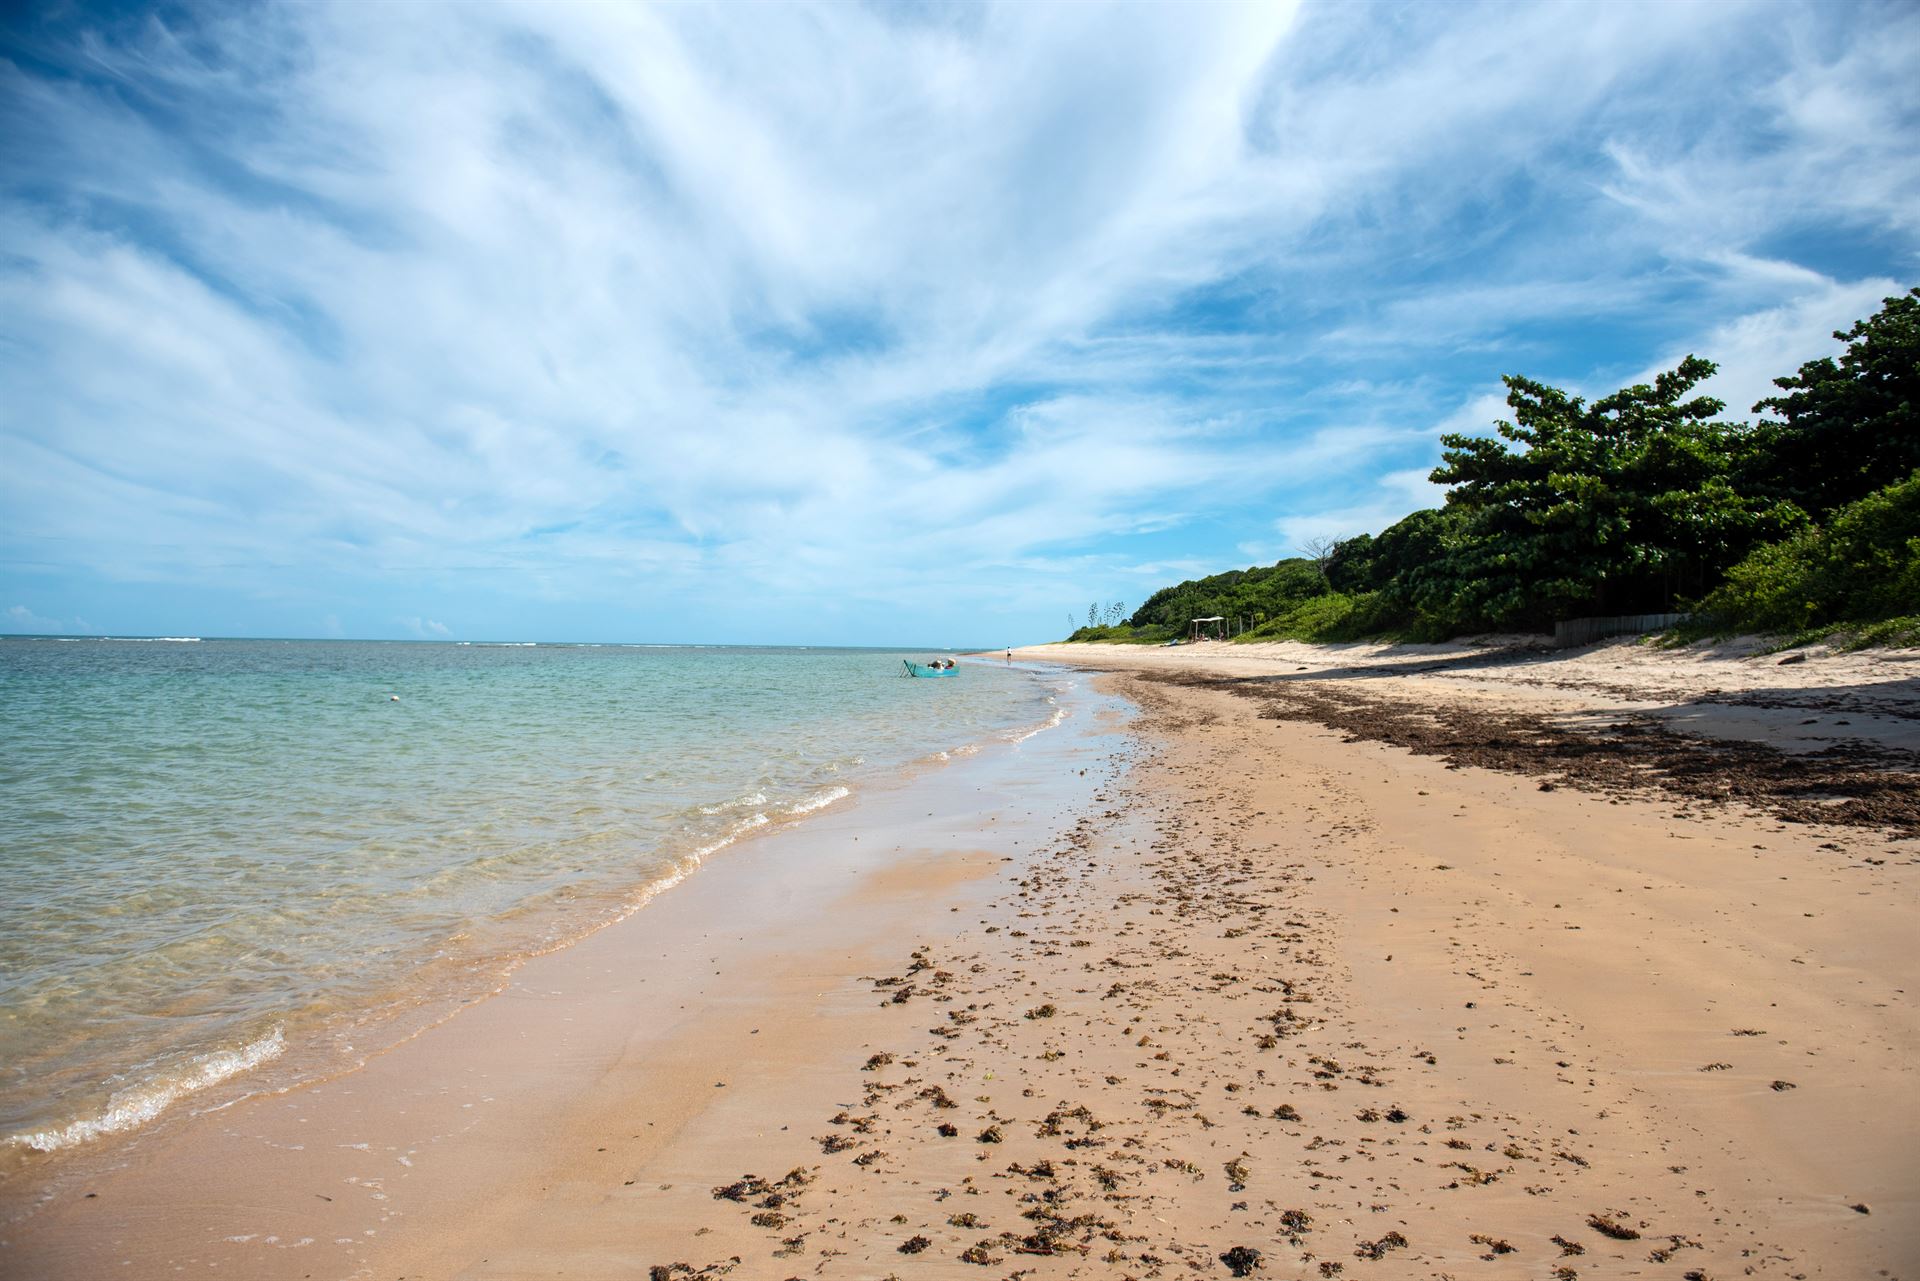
(920, 323)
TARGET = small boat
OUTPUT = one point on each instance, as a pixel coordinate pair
(919, 669)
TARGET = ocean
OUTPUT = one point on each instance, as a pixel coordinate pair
(226, 865)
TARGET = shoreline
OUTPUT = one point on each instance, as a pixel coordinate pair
(1274, 997)
(307, 1041)
(757, 907)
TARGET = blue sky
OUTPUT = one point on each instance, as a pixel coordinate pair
(921, 323)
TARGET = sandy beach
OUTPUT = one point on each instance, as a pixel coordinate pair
(1270, 960)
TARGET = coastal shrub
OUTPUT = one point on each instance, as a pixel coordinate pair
(1861, 567)
(1124, 634)
(1336, 617)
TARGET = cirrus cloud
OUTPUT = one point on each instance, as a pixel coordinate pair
(695, 322)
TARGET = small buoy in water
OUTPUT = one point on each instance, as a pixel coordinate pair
(393, 698)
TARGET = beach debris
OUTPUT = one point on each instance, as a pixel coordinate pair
(1568, 1249)
(743, 1189)
(1241, 1260)
(914, 1245)
(1237, 1174)
(989, 1135)
(1836, 785)
(1610, 1225)
(1042, 1012)
(1495, 1245)
(673, 1271)
(979, 1253)
(1674, 1245)
(1782, 1086)
(877, 1062)
(1377, 1250)
(1055, 1122)
(1861, 1207)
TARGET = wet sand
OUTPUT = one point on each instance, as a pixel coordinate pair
(532, 1126)
(1330, 983)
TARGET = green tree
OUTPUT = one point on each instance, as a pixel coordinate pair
(1617, 506)
(1845, 428)
(1349, 566)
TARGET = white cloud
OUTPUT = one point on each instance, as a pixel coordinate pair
(1754, 349)
(1393, 496)
(653, 306)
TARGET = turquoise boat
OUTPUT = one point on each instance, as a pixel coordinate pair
(917, 669)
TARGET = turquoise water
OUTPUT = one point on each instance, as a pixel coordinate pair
(219, 859)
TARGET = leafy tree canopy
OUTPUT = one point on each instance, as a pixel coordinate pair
(1603, 508)
(1845, 428)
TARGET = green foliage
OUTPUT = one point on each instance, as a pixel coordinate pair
(1863, 566)
(1632, 504)
(1254, 594)
(1613, 507)
(1332, 617)
(1901, 630)
(1350, 566)
(1123, 634)
(1844, 429)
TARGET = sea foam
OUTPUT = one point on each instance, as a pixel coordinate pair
(142, 1103)
(820, 800)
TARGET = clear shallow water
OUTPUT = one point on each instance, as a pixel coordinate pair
(220, 855)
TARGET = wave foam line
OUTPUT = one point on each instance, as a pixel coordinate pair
(137, 1106)
(820, 800)
(1059, 714)
(740, 829)
(738, 802)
